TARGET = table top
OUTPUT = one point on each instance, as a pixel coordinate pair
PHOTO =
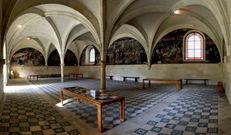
(93, 95)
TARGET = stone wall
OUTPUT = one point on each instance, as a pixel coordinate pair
(23, 71)
(213, 72)
(227, 79)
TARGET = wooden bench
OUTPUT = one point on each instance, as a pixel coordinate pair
(220, 88)
(167, 80)
(37, 76)
(196, 79)
(110, 76)
(75, 75)
(136, 78)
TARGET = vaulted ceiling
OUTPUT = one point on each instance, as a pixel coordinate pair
(74, 24)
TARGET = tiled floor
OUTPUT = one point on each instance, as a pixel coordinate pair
(32, 109)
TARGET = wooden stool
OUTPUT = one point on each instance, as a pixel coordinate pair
(220, 87)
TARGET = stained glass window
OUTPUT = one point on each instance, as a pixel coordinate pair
(194, 47)
(92, 55)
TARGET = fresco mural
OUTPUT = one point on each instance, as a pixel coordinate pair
(170, 49)
(126, 51)
(70, 59)
(54, 59)
(83, 57)
(28, 57)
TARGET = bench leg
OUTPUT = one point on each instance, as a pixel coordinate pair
(135, 79)
(149, 83)
(124, 78)
(186, 82)
(177, 83)
(181, 85)
(143, 85)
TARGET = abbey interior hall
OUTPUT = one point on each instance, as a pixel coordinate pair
(115, 67)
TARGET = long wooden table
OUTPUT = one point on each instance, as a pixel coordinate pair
(75, 75)
(166, 80)
(96, 98)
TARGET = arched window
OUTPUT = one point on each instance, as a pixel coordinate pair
(194, 47)
(92, 55)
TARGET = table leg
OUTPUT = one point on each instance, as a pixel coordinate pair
(110, 77)
(79, 100)
(61, 97)
(135, 79)
(204, 82)
(124, 78)
(177, 83)
(186, 82)
(122, 103)
(143, 84)
(149, 83)
(100, 118)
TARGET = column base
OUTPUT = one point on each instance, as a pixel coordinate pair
(102, 90)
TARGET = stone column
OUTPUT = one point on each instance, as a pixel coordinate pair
(103, 70)
(1, 77)
(6, 73)
(103, 81)
(62, 72)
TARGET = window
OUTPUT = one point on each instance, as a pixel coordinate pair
(194, 47)
(92, 55)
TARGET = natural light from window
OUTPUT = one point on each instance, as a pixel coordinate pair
(92, 55)
(194, 47)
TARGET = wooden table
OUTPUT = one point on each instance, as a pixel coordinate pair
(136, 78)
(196, 79)
(110, 76)
(167, 80)
(99, 99)
(75, 75)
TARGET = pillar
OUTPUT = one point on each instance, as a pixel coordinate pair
(62, 72)
(6, 71)
(103, 70)
(1, 78)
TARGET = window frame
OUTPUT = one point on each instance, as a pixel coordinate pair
(90, 55)
(184, 46)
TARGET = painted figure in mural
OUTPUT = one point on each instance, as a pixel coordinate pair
(126, 51)
(28, 57)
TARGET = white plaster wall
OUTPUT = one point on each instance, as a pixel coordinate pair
(23, 71)
(226, 80)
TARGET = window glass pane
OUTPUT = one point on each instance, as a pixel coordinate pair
(195, 47)
(92, 55)
(197, 53)
(190, 53)
(190, 45)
